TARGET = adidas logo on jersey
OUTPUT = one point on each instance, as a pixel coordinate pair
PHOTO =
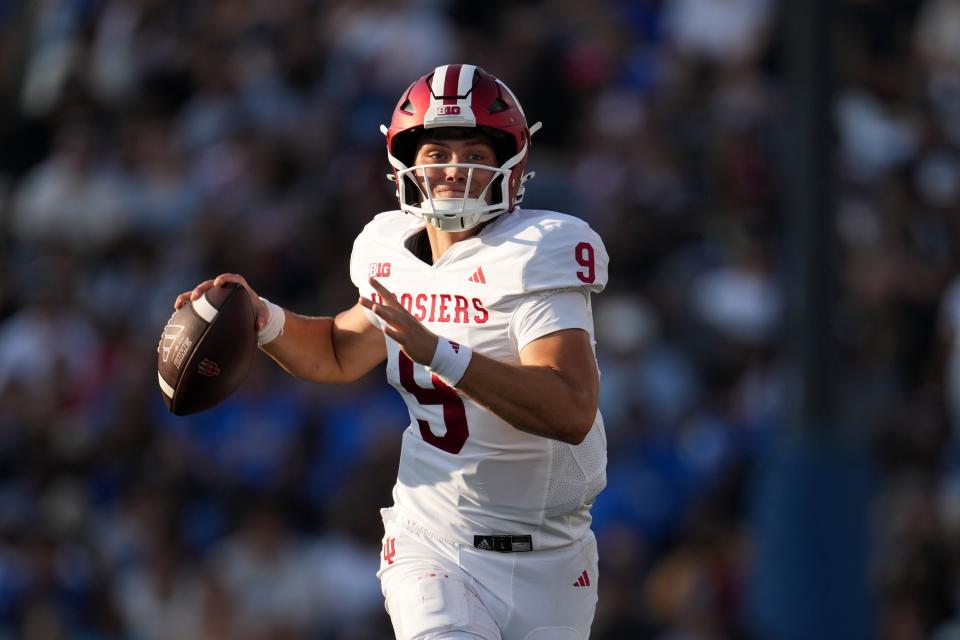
(478, 276)
(583, 580)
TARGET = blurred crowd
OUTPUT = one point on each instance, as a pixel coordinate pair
(146, 145)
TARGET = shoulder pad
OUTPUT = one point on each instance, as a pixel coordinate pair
(568, 255)
(384, 227)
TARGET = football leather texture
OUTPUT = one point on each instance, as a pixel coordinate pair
(206, 349)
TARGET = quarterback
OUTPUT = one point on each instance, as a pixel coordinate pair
(481, 311)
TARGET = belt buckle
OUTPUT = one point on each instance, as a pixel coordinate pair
(504, 543)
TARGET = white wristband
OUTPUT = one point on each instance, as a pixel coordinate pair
(450, 360)
(274, 327)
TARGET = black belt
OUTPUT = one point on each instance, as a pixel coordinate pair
(504, 544)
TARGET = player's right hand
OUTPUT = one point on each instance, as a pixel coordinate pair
(258, 306)
(418, 342)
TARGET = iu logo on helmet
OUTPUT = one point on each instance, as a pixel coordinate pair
(208, 368)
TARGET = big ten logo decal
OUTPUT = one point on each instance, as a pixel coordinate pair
(448, 111)
(379, 269)
(181, 352)
(389, 550)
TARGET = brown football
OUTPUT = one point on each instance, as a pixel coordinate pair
(206, 349)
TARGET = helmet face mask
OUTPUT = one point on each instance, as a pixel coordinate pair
(456, 102)
(459, 213)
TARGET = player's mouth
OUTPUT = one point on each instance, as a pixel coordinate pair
(448, 193)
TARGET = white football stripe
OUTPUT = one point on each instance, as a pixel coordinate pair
(204, 309)
(465, 81)
(440, 115)
(439, 78)
(166, 388)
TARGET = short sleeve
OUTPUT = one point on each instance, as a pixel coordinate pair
(569, 254)
(359, 269)
(548, 312)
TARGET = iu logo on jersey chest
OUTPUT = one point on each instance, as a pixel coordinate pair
(379, 269)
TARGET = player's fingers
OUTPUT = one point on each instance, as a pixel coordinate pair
(393, 334)
(393, 319)
(389, 301)
(376, 307)
(258, 305)
(224, 278)
(367, 303)
(182, 299)
(236, 278)
(200, 288)
(387, 295)
(262, 314)
(384, 312)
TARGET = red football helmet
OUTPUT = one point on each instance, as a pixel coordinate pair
(459, 95)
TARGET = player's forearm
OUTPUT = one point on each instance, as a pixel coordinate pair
(534, 399)
(305, 349)
(330, 350)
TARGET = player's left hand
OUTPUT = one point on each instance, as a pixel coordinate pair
(418, 342)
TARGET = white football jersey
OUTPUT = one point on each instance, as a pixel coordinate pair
(463, 471)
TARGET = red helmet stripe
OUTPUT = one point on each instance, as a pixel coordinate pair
(450, 83)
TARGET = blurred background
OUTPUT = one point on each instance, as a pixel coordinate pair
(148, 144)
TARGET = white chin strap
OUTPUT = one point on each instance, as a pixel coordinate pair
(454, 205)
(453, 214)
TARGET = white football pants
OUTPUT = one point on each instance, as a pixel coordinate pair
(437, 590)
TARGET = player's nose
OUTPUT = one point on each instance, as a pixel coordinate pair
(454, 173)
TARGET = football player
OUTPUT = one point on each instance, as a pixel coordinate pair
(482, 312)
